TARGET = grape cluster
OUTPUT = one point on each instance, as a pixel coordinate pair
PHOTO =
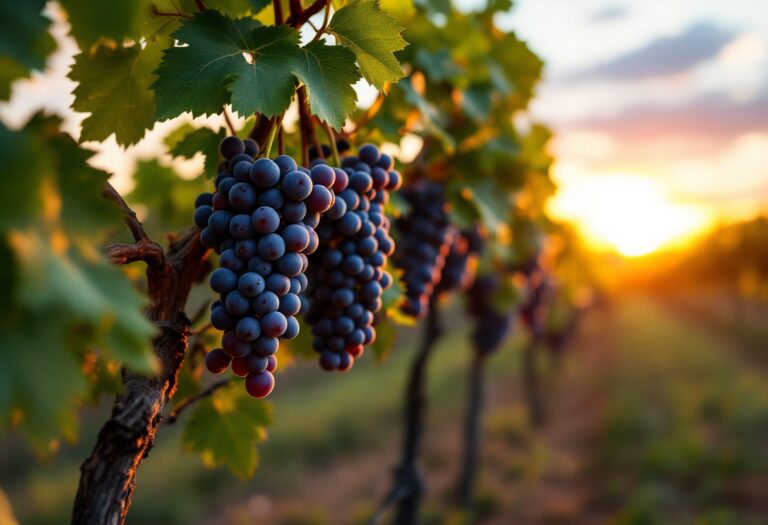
(491, 327)
(534, 309)
(461, 261)
(426, 235)
(347, 276)
(261, 220)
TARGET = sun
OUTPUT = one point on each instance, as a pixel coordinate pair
(628, 213)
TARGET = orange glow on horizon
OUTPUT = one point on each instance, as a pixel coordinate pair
(630, 214)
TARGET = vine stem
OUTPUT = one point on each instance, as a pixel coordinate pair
(473, 417)
(228, 121)
(277, 7)
(276, 124)
(305, 124)
(184, 404)
(332, 141)
(108, 475)
(326, 19)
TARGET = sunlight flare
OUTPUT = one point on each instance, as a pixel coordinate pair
(628, 213)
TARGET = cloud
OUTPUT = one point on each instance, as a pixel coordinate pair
(609, 14)
(663, 56)
(713, 115)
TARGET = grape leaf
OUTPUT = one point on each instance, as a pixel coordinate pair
(65, 300)
(113, 86)
(24, 33)
(438, 66)
(115, 20)
(33, 348)
(373, 36)
(187, 141)
(385, 339)
(328, 72)
(195, 77)
(477, 100)
(266, 86)
(24, 41)
(259, 5)
(9, 71)
(225, 428)
(92, 293)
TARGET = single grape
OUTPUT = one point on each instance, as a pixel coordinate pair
(273, 324)
(297, 185)
(242, 196)
(260, 385)
(251, 284)
(265, 220)
(296, 237)
(217, 361)
(223, 280)
(265, 303)
(231, 146)
(271, 247)
(265, 173)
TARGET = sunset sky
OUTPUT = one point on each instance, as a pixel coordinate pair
(660, 111)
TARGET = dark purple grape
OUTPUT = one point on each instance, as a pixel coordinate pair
(271, 247)
(248, 329)
(265, 220)
(260, 385)
(231, 146)
(251, 284)
(265, 173)
(297, 185)
(223, 280)
(296, 237)
(217, 361)
(266, 302)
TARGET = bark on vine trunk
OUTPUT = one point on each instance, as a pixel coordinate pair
(108, 476)
(472, 420)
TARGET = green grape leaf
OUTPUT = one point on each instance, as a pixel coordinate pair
(24, 36)
(33, 347)
(266, 86)
(65, 300)
(90, 292)
(442, 7)
(225, 428)
(329, 72)
(373, 36)
(10, 70)
(430, 116)
(259, 5)
(24, 41)
(187, 141)
(195, 78)
(492, 205)
(113, 86)
(116, 20)
(477, 101)
(385, 339)
(438, 65)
